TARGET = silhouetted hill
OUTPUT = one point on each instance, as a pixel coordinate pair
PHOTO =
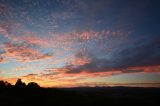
(78, 96)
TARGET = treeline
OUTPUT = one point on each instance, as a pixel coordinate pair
(19, 85)
(32, 94)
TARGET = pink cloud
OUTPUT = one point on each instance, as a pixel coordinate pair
(20, 68)
(58, 77)
(4, 32)
(147, 69)
(2, 60)
(23, 52)
(65, 71)
(32, 39)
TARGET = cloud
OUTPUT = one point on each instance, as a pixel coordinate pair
(17, 32)
(5, 10)
(20, 68)
(33, 39)
(147, 69)
(142, 54)
(80, 59)
(21, 43)
(61, 79)
(23, 52)
(48, 80)
(93, 68)
(141, 58)
(1, 60)
(66, 73)
(4, 32)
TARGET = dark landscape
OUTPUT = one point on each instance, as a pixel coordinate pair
(33, 94)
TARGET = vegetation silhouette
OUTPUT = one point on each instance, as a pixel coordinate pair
(33, 85)
(20, 84)
(31, 94)
(4, 85)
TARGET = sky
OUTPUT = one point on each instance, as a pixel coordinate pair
(70, 43)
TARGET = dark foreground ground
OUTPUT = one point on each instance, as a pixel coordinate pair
(98, 96)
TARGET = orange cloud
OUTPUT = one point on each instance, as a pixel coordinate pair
(66, 41)
(20, 68)
(80, 59)
(45, 80)
(33, 39)
(58, 77)
(147, 69)
(23, 52)
(65, 71)
(61, 79)
(18, 33)
(1, 60)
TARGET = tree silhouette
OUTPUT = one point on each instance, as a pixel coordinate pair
(20, 84)
(33, 85)
(5, 84)
(2, 84)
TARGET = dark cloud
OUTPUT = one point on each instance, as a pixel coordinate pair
(142, 54)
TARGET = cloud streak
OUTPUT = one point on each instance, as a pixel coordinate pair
(23, 52)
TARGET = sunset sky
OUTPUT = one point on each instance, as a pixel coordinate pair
(67, 43)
